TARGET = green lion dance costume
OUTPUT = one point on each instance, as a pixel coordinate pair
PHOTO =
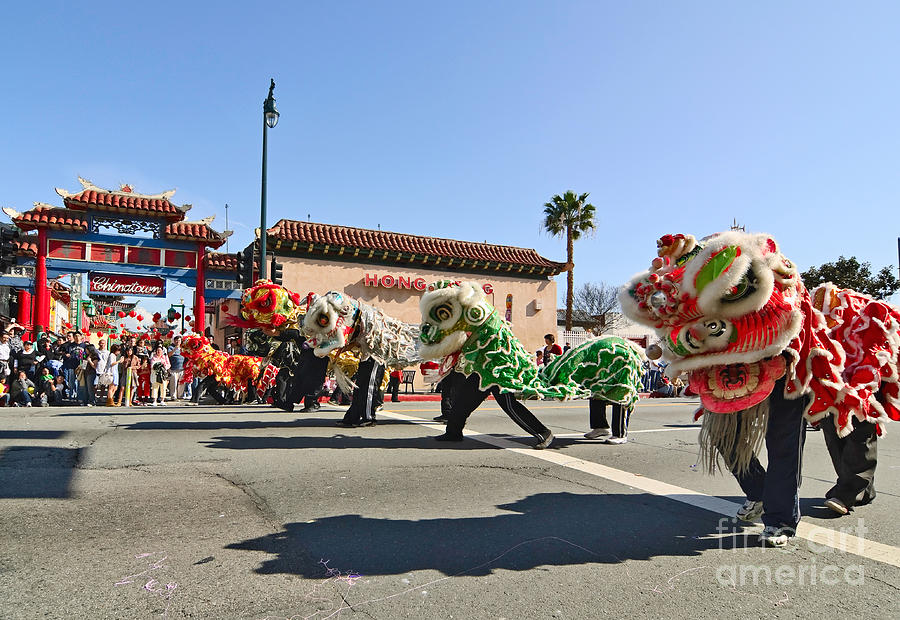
(463, 330)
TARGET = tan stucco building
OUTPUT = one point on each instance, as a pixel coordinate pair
(391, 271)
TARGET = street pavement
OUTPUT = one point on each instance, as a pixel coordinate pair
(250, 512)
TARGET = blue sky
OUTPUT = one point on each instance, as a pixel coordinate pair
(461, 119)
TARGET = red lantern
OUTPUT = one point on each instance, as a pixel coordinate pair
(170, 334)
(86, 331)
(107, 310)
(113, 336)
(99, 334)
(132, 313)
(140, 317)
(156, 317)
(177, 315)
(120, 314)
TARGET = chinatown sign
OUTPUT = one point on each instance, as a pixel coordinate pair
(116, 284)
(407, 282)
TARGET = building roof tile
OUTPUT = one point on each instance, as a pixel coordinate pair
(219, 261)
(195, 231)
(123, 200)
(293, 231)
(46, 216)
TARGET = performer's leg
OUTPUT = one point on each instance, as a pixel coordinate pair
(598, 414)
(374, 395)
(855, 465)
(620, 416)
(521, 415)
(785, 436)
(362, 394)
(465, 397)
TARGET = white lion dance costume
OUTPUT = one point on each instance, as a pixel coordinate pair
(731, 311)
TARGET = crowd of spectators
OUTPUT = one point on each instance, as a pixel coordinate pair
(70, 370)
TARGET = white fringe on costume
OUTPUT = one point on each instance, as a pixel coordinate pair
(720, 439)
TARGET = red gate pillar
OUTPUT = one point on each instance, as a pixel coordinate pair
(199, 293)
(41, 289)
(24, 316)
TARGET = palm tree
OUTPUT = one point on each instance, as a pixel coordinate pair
(569, 214)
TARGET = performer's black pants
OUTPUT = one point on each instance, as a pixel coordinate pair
(854, 458)
(447, 385)
(620, 417)
(366, 395)
(778, 488)
(394, 389)
(466, 397)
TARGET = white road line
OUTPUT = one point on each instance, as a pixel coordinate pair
(630, 432)
(822, 536)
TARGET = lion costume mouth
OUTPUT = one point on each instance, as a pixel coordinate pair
(734, 387)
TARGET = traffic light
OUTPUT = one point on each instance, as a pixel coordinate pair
(8, 247)
(244, 275)
(170, 315)
(275, 271)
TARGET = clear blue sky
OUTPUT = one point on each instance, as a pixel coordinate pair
(461, 119)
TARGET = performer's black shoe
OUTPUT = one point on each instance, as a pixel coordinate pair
(312, 407)
(441, 418)
(448, 437)
(367, 423)
(345, 424)
(545, 440)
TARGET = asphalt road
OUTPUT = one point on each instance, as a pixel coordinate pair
(247, 512)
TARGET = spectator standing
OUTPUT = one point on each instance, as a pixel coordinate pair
(394, 384)
(159, 375)
(176, 369)
(551, 349)
(140, 376)
(108, 375)
(26, 359)
(89, 374)
(72, 354)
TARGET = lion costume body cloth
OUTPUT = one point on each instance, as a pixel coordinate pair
(731, 311)
(339, 325)
(461, 328)
(275, 309)
(232, 371)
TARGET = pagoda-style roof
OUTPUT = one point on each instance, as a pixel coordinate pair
(197, 231)
(220, 261)
(124, 200)
(26, 245)
(48, 216)
(361, 244)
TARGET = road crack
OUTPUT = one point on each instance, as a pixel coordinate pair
(262, 506)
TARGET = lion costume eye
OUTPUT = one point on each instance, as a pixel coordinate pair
(442, 312)
(476, 315)
(744, 288)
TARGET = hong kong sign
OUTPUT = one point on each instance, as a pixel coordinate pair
(116, 284)
(401, 282)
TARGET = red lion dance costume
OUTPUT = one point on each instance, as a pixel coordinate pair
(763, 353)
(232, 371)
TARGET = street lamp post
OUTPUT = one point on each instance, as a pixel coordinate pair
(270, 119)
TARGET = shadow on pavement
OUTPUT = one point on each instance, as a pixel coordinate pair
(235, 425)
(31, 434)
(547, 529)
(37, 472)
(342, 441)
